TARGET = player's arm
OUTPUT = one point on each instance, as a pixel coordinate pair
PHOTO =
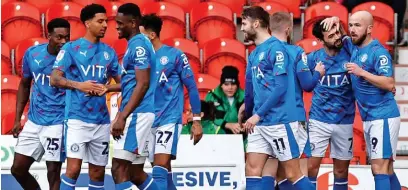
(61, 66)
(141, 64)
(114, 72)
(383, 66)
(249, 91)
(308, 78)
(187, 78)
(23, 94)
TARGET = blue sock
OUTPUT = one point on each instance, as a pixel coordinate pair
(96, 185)
(382, 182)
(395, 184)
(253, 183)
(160, 177)
(303, 183)
(170, 183)
(124, 185)
(268, 183)
(314, 181)
(149, 184)
(286, 185)
(340, 184)
(67, 183)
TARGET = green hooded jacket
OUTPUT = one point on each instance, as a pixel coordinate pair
(225, 113)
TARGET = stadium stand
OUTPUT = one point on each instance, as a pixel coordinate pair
(190, 49)
(292, 5)
(174, 24)
(21, 49)
(6, 67)
(9, 87)
(309, 44)
(19, 19)
(186, 5)
(8, 122)
(206, 83)
(273, 7)
(111, 34)
(120, 47)
(221, 52)
(87, 2)
(235, 5)
(69, 11)
(42, 5)
(214, 17)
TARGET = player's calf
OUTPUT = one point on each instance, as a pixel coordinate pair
(120, 170)
(161, 168)
(141, 179)
(53, 174)
(340, 174)
(19, 170)
(68, 180)
(96, 177)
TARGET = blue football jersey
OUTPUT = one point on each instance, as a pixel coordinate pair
(333, 99)
(46, 102)
(174, 70)
(373, 103)
(81, 61)
(266, 61)
(139, 55)
(297, 63)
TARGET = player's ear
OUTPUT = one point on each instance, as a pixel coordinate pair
(256, 23)
(49, 35)
(87, 23)
(369, 29)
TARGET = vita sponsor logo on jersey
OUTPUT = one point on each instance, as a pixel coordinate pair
(96, 70)
(335, 80)
(42, 79)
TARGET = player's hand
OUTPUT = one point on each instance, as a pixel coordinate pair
(320, 68)
(102, 91)
(234, 127)
(353, 68)
(90, 86)
(329, 22)
(117, 127)
(241, 114)
(16, 129)
(251, 122)
(394, 90)
(196, 132)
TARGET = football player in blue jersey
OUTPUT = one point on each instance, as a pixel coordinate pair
(83, 67)
(42, 133)
(132, 125)
(174, 72)
(272, 129)
(332, 112)
(281, 26)
(373, 85)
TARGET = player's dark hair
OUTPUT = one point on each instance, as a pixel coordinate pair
(57, 23)
(152, 22)
(208, 108)
(89, 11)
(257, 13)
(130, 9)
(318, 29)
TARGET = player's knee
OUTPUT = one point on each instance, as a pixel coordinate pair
(340, 172)
(253, 169)
(18, 171)
(138, 177)
(97, 174)
(73, 171)
(54, 168)
(379, 168)
(312, 168)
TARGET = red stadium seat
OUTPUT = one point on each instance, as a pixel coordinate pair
(383, 28)
(140, 3)
(111, 34)
(292, 5)
(70, 11)
(6, 68)
(186, 5)
(9, 87)
(6, 1)
(190, 49)
(21, 49)
(307, 101)
(273, 7)
(322, 10)
(250, 48)
(310, 44)
(236, 5)
(174, 25)
(7, 122)
(221, 52)
(19, 21)
(120, 47)
(87, 2)
(206, 83)
(42, 5)
(210, 20)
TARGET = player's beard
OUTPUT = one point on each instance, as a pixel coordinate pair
(250, 35)
(360, 40)
(334, 46)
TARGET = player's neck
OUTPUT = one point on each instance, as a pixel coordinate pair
(134, 33)
(367, 41)
(51, 51)
(281, 37)
(157, 44)
(331, 52)
(93, 39)
(261, 37)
